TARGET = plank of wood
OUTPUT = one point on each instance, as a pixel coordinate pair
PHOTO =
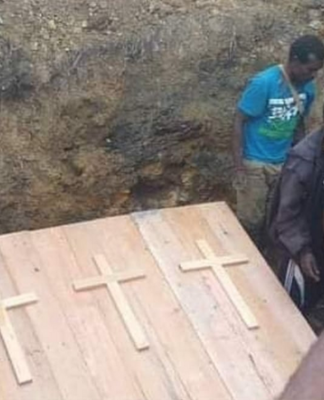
(22, 300)
(14, 350)
(231, 290)
(57, 341)
(196, 265)
(44, 385)
(221, 342)
(232, 260)
(99, 358)
(274, 353)
(131, 323)
(102, 280)
(226, 261)
(187, 355)
(261, 277)
(10, 339)
(99, 281)
(205, 249)
(236, 298)
(291, 335)
(90, 283)
(151, 370)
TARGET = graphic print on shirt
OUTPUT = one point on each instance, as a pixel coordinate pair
(282, 118)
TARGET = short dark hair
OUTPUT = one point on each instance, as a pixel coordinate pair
(307, 48)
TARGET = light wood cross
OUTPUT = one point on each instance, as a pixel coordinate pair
(111, 280)
(217, 265)
(9, 337)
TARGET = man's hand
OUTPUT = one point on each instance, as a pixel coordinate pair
(309, 267)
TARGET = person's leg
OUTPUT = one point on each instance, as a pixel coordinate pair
(251, 200)
(272, 174)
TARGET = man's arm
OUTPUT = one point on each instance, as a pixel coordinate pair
(291, 223)
(252, 104)
(308, 383)
(239, 122)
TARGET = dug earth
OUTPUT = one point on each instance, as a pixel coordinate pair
(113, 106)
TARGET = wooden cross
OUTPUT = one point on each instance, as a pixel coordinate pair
(9, 337)
(111, 280)
(217, 264)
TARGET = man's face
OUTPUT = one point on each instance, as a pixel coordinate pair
(303, 73)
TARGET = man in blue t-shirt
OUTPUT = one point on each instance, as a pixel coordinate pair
(269, 118)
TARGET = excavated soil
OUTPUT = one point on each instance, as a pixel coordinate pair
(111, 106)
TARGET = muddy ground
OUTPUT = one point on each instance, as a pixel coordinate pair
(111, 106)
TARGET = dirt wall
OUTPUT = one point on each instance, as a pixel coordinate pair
(111, 106)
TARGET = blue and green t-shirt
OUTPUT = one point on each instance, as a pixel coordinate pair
(269, 103)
